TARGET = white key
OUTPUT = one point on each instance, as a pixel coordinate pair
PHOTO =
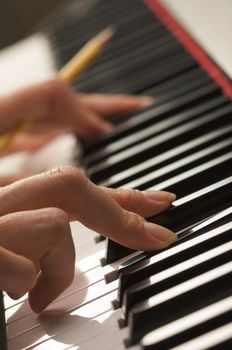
(25, 319)
(53, 326)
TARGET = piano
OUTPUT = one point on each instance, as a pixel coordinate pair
(180, 298)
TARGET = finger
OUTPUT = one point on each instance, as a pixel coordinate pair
(68, 189)
(50, 101)
(17, 273)
(113, 105)
(7, 180)
(42, 236)
(65, 107)
(88, 124)
(145, 203)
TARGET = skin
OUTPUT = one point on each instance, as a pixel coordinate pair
(53, 108)
(36, 211)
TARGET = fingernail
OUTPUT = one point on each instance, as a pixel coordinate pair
(146, 101)
(162, 196)
(159, 233)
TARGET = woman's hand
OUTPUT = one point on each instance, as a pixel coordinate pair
(34, 228)
(52, 108)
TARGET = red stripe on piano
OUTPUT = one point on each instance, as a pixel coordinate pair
(191, 46)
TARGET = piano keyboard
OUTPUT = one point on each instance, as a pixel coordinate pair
(179, 298)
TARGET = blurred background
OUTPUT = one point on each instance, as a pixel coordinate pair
(18, 18)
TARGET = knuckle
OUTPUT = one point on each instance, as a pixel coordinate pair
(133, 221)
(73, 175)
(130, 229)
(70, 182)
(75, 179)
(67, 179)
(58, 218)
(67, 175)
(56, 223)
(130, 196)
(136, 195)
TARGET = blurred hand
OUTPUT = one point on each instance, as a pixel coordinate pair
(53, 108)
(35, 232)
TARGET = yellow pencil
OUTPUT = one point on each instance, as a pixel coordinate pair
(75, 66)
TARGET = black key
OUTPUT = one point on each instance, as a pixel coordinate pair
(140, 80)
(174, 137)
(84, 26)
(115, 251)
(213, 168)
(147, 118)
(183, 163)
(174, 176)
(166, 91)
(176, 254)
(199, 206)
(119, 47)
(183, 79)
(176, 274)
(187, 212)
(162, 92)
(181, 331)
(158, 127)
(178, 301)
(141, 259)
(161, 143)
(125, 65)
(68, 48)
(168, 157)
(217, 339)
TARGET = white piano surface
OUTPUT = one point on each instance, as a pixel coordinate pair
(210, 23)
(80, 318)
(26, 62)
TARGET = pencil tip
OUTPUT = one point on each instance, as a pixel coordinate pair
(107, 34)
(113, 29)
